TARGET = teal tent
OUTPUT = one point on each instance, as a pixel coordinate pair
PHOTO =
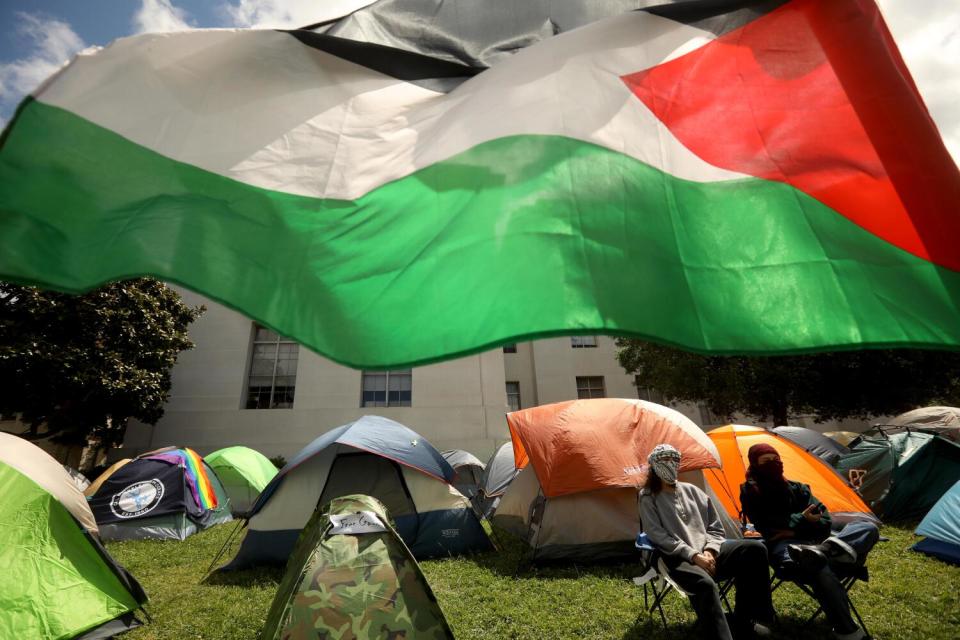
(941, 527)
(901, 475)
(244, 473)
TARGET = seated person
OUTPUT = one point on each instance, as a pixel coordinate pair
(797, 530)
(683, 524)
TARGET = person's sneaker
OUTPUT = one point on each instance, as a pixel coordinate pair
(839, 551)
(859, 634)
(753, 631)
(808, 557)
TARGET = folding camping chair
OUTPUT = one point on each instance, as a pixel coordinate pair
(657, 583)
(858, 573)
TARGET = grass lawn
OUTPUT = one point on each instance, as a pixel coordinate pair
(909, 596)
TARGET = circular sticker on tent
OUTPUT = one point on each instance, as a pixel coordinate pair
(137, 499)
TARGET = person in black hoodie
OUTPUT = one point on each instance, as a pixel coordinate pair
(800, 541)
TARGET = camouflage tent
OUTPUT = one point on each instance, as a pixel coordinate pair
(350, 577)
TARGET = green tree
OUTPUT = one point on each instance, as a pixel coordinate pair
(81, 366)
(831, 386)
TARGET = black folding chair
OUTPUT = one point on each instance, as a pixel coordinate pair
(857, 573)
(657, 583)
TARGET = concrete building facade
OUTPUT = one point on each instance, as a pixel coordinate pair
(243, 384)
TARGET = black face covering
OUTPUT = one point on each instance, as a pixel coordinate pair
(770, 471)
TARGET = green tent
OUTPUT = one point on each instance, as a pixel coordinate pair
(243, 473)
(902, 475)
(351, 576)
(58, 581)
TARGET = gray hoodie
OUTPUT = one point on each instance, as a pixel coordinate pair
(681, 524)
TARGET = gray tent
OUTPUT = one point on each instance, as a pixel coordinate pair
(814, 442)
(469, 471)
(78, 478)
(497, 476)
(943, 421)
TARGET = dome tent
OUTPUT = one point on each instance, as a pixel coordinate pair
(943, 421)
(819, 444)
(78, 478)
(59, 581)
(582, 463)
(244, 473)
(350, 575)
(902, 475)
(734, 441)
(497, 476)
(941, 526)
(371, 456)
(165, 494)
(468, 469)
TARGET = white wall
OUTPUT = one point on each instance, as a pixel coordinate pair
(455, 404)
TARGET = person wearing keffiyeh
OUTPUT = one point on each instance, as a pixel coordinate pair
(684, 525)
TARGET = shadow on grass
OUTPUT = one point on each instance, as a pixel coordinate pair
(261, 576)
(513, 558)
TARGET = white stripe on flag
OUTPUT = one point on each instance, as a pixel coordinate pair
(265, 109)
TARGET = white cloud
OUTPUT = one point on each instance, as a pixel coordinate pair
(52, 44)
(158, 16)
(928, 36)
(287, 14)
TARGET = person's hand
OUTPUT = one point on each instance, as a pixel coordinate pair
(706, 562)
(781, 534)
(811, 513)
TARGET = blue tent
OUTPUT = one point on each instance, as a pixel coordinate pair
(371, 456)
(942, 528)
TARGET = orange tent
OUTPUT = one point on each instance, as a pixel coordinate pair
(583, 445)
(734, 441)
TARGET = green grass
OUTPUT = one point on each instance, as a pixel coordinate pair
(909, 596)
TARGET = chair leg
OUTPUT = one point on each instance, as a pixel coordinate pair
(724, 590)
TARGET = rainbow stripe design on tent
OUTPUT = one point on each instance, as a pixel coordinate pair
(197, 477)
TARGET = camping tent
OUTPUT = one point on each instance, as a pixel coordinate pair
(814, 442)
(350, 575)
(244, 473)
(734, 441)
(78, 478)
(497, 476)
(58, 580)
(468, 470)
(943, 421)
(99, 480)
(941, 525)
(844, 438)
(371, 456)
(902, 475)
(582, 462)
(168, 494)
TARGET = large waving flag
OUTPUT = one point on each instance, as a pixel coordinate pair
(752, 180)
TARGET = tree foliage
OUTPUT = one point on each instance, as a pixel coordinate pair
(831, 386)
(81, 366)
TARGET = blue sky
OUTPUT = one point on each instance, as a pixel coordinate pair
(38, 36)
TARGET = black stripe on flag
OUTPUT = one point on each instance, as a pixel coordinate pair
(415, 68)
(716, 16)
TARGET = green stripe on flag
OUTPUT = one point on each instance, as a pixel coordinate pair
(517, 238)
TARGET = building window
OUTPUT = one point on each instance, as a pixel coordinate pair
(647, 393)
(273, 371)
(387, 388)
(590, 387)
(510, 348)
(583, 342)
(513, 396)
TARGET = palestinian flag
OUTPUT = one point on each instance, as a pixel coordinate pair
(742, 180)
